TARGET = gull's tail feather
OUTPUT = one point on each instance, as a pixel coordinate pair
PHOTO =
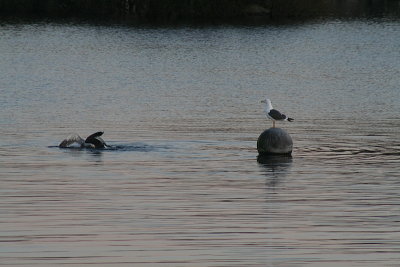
(290, 119)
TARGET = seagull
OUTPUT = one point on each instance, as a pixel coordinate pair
(92, 141)
(274, 114)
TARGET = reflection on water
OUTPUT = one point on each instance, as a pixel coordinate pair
(276, 168)
(180, 185)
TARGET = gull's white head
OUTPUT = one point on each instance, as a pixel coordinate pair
(267, 103)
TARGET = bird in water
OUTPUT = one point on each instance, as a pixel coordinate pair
(92, 141)
(274, 114)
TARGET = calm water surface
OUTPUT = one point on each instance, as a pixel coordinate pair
(182, 106)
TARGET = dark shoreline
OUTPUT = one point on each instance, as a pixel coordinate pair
(213, 12)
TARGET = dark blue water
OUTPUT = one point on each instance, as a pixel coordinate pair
(181, 108)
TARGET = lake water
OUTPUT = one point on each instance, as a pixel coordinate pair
(181, 105)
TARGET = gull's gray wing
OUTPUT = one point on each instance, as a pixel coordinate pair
(276, 115)
(73, 138)
(96, 140)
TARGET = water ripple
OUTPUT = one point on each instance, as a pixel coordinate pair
(181, 184)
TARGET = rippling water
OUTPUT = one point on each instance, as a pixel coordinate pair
(182, 107)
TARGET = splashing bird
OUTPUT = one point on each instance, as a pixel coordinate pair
(274, 114)
(92, 141)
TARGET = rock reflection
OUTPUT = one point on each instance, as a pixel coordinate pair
(275, 167)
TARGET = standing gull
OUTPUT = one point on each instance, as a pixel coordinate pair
(274, 114)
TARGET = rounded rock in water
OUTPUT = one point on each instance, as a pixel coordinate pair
(274, 141)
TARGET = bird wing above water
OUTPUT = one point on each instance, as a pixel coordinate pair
(73, 138)
(96, 140)
(96, 134)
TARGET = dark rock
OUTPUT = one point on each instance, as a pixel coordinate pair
(274, 141)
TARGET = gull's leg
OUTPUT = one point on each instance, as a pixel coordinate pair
(273, 123)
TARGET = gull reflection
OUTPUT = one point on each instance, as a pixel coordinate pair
(92, 155)
(275, 167)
